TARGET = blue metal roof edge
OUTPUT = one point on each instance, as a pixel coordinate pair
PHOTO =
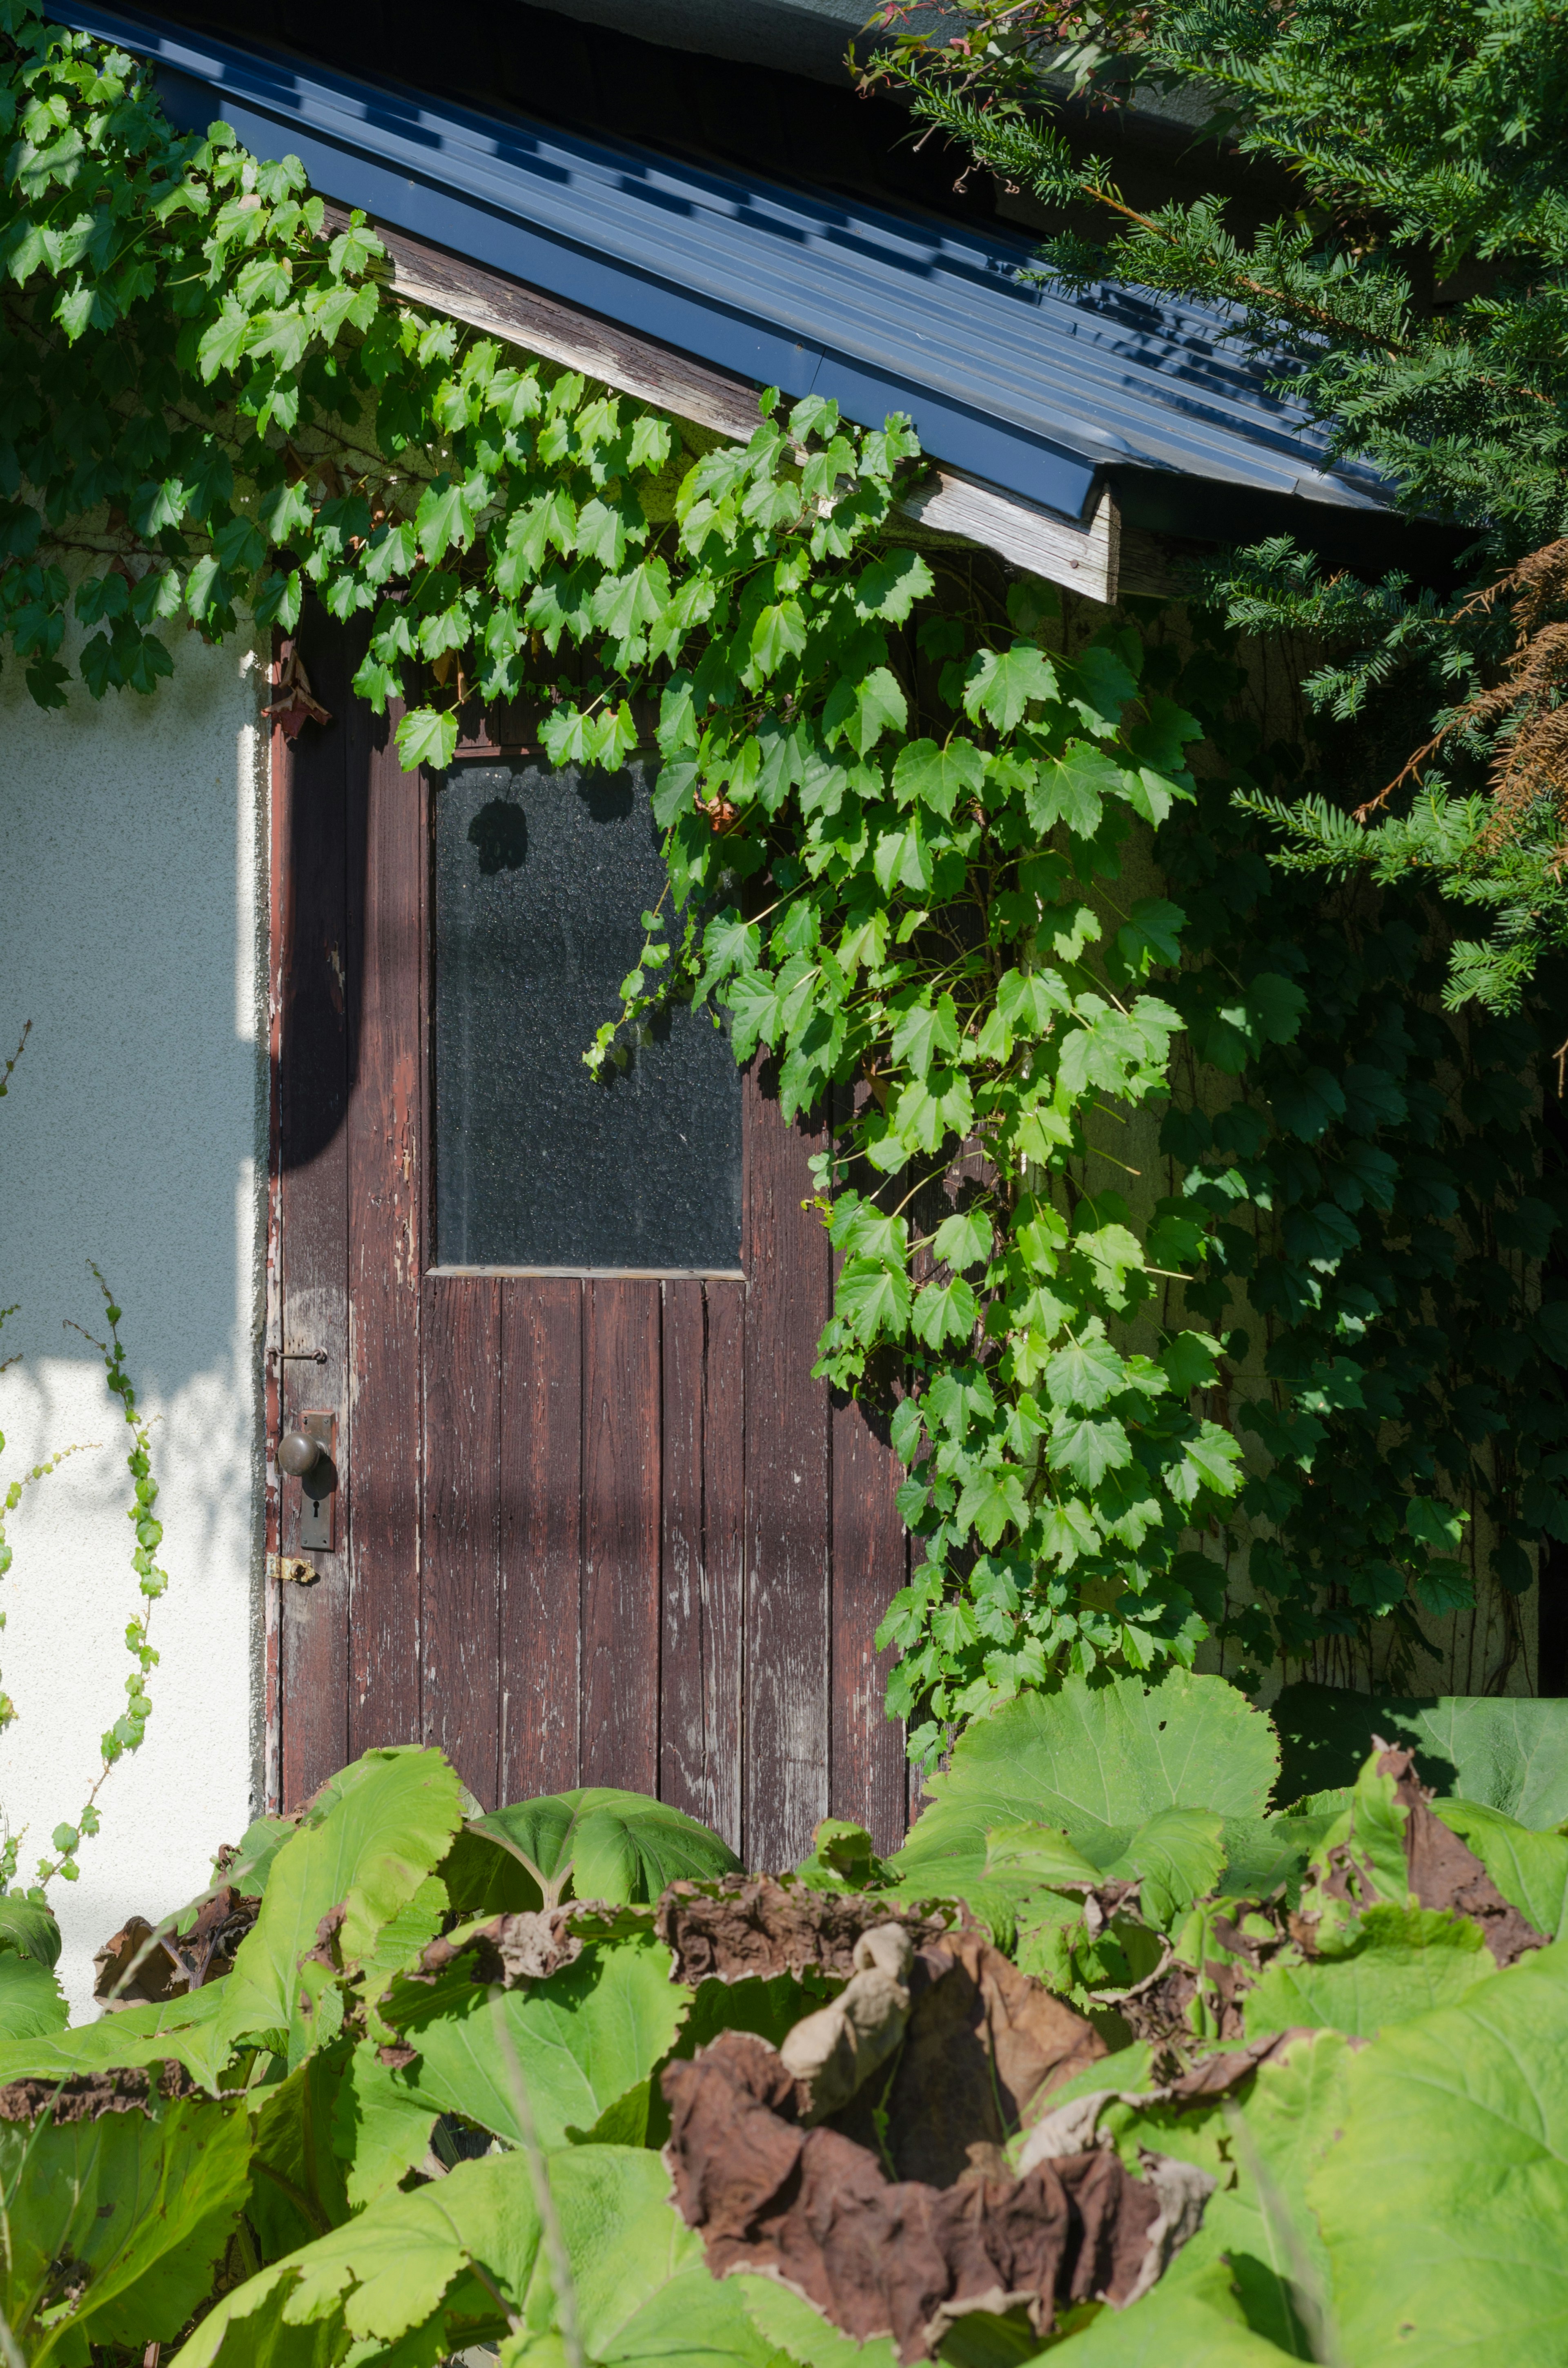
(672, 253)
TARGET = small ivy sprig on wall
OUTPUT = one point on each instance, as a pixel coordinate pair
(126, 1734)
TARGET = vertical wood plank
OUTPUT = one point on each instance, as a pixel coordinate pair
(542, 1488)
(460, 1577)
(621, 1534)
(725, 1553)
(869, 1781)
(788, 1484)
(316, 983)
(704, 1552)
(386, 1189)
(683, 1704)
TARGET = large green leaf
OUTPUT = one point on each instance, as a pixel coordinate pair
(32, 2000)
(297, 2178)
(1192, 2322)
(1261, 2225)
(389, 2272)
(1443, 2203)
(1180, 1854)
(142, 2203)
(644, 2292)
(1407, 1962)
(1529, 1869)
(383, 2126)
(364, 1851)
(445, 2258)
(183, 2029)
(1508, 1752)
(29, 1929)
(258, 1846)
(1263, 1851)
(589, 2039)
(618, 1846)
(784, 2319)
(1097, 1761)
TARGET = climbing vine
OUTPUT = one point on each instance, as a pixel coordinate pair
(900, 801)
(128, 1731)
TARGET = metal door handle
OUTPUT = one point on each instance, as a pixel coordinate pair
(297, 1453)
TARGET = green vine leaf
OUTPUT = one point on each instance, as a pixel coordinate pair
(428, 737)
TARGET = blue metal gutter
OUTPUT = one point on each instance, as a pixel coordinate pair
(1030, 390)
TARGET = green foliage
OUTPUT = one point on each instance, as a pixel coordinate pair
(1094, 1761)
(599, 1844)
(590, 2038)
(1502, 1753)
(1374, 1189)
(115, 2224)
(1529, 1868)
(1413, 296)
(1404, 1963)
(317, 2201)
(1469, 2103)
(31, 1998)
(357, 1874)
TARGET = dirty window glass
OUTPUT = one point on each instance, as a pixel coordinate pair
(542, 879)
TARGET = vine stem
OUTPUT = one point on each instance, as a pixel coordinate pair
(539, 2172)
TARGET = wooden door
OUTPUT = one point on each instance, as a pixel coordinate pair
(592, 1527)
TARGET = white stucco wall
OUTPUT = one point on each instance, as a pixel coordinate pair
(132, 838)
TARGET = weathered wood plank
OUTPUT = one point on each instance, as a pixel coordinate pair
(386, 1177)
(725, 1553)
(788, 1487)
(682, 1692)
(620, 1535)
(704, 1552)
(317, 984)
(1085, 557)
(870, 1780)
(541, 1491)
(460, 1325)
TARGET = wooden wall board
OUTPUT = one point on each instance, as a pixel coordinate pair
(702, 1575)
(386, 1188)
(789, 1487)
(620, 1535)
(541, 1534)
(459, 1558)
(871, 1562)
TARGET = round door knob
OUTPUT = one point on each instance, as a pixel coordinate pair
(297, 1453)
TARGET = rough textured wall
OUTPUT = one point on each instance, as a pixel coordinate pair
(132, 924)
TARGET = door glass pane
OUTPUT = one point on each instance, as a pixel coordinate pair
(541, 881)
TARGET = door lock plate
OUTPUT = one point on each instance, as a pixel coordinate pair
(318, 1523)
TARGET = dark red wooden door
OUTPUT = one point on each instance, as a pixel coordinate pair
(590, 1530)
